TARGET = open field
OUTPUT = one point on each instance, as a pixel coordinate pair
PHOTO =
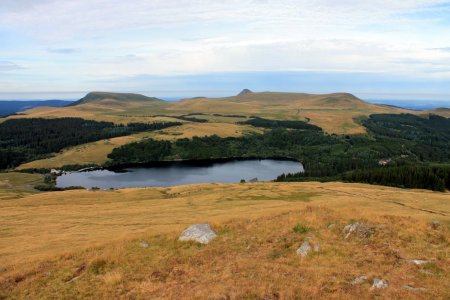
(189, 130)
(49, 239)
(96, 152)
(16, 185)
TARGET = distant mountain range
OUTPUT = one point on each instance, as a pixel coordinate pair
(335, 113)
(9, 107)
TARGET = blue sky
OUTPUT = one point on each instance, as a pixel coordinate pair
(374, 49)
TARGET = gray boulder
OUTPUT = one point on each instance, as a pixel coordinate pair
(200, 233)
(379, 283)
(304, 249)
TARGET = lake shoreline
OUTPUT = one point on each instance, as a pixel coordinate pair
(186, 162)
(181, 172)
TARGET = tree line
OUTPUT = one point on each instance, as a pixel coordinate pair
(23, 140)
(293, 124)
(436, 178)
(324, 156)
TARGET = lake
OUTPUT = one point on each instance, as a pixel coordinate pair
(180, 173)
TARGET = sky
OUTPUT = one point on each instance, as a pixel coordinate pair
(387, 49)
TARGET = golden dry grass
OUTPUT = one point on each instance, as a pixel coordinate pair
(99, 112)
(189, 130)
(97, 152)
(15, 185)
(339, 122)
(253, 257)
(444, 112)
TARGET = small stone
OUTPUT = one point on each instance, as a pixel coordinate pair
(379, 283)
(331, 226)
(316, 247)
(304, 249)
(418, 261)
(414, 289)
(359, 280)
(200, 233)
(360, 229)
(435, 224)
(144, 244)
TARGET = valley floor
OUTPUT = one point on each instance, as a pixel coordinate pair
(87, 244)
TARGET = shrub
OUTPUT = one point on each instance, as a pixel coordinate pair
(299, 228)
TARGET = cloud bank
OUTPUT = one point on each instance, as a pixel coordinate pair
(82, 45)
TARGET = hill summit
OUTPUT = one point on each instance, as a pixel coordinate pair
(94, 97)
(244, 92)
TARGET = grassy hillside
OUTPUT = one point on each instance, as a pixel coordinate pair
(16, 185)
(115, 99)
(335, 113)
(97, 152)
(86, 244)
(443, 111)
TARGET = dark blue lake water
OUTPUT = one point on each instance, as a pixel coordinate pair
(180, 173)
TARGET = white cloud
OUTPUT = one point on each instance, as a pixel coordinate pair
(110, 38)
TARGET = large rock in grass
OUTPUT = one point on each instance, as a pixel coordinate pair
(200, 233)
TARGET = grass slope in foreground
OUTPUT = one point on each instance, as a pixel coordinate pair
(86, 244)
